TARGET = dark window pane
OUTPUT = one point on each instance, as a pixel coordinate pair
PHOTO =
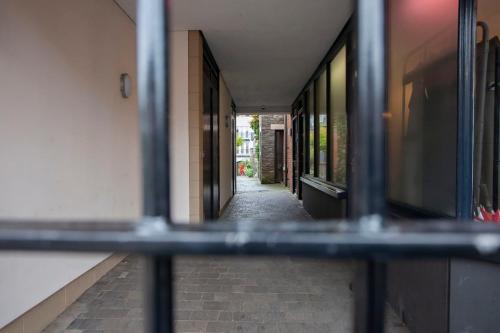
(322, 124)
(338, 113)
(422, 120)
(486, 171)
(310, 111)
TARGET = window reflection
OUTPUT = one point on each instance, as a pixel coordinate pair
(311, 115)
(338, 113)
(423, 103)
(486, 170)
(321, 89)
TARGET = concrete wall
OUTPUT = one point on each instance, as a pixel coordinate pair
(195, 130)
(268, 125)
(179, 135)
(68, 141)
(225, 144)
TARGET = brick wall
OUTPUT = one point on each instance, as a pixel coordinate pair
(266, 142)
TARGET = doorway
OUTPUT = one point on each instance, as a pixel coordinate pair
(279, 136)
(211, 195)
(298, 150)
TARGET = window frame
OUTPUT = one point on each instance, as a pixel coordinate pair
(343, 40)
(349, 75)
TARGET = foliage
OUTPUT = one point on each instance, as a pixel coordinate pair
(322, 139)
(239, 141)
(249, 171)
(340, 149)
(254, 124)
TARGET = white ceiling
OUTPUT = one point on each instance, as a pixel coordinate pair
(266, 49)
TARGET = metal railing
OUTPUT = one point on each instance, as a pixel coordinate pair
(368, 237)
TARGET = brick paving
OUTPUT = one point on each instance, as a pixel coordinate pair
(223, 294)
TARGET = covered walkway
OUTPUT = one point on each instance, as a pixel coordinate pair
(218, 294)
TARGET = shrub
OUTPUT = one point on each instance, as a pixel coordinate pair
(249, 172)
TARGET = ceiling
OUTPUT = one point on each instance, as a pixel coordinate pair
(266, 49)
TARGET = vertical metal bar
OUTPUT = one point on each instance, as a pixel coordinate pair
(369, 166)
(152, 41)
(465, 125)
(369, 170)
(496, 140)
(329, 124)
(159, 294)
(152, 44)
(370, 288)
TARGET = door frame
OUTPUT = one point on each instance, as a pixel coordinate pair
(210, 66)
(277, 153)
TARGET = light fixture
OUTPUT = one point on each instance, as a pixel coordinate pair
(125, 85)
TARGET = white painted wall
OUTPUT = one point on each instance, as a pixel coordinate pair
(225, 144)
(69, 144)
(179, 117)
(179, 135)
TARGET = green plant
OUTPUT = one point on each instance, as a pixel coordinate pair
(257, 151)
(249, 172)
(239, 141)
(322, 139)
(255, 125)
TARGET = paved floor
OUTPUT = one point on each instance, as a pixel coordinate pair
(215, 294)
(245, 184)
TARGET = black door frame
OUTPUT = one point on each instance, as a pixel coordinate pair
(233, 145)
(295, 120)
(277, 153)
(211, 124)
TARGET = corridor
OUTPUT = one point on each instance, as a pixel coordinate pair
(219, 294)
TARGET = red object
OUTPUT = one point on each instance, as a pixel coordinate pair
(486, 216)
(242, 169)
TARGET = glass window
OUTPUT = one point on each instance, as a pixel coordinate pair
(338, 114)
(310, 113)
(486, 171)
(422, 118)
(322, 124)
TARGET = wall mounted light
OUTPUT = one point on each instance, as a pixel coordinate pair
(125, 85)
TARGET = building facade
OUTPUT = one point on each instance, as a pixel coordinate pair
(70, 147)
(272, 148)
(246, 150)
(425, 103)
(79, 134)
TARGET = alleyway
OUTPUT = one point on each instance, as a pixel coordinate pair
(216, 294)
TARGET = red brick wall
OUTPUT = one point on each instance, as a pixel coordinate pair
(289, 152)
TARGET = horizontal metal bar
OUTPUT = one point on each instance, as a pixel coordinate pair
(335, 239)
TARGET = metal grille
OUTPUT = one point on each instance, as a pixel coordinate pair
(368, 237)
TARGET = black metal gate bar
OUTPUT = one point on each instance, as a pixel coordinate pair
(465, 114)
(368, 171)
(368, 193)
(369, 291)
(332, 239)
(153, 57)
(367, 237)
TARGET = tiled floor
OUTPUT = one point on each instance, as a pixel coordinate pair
(222, 294)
